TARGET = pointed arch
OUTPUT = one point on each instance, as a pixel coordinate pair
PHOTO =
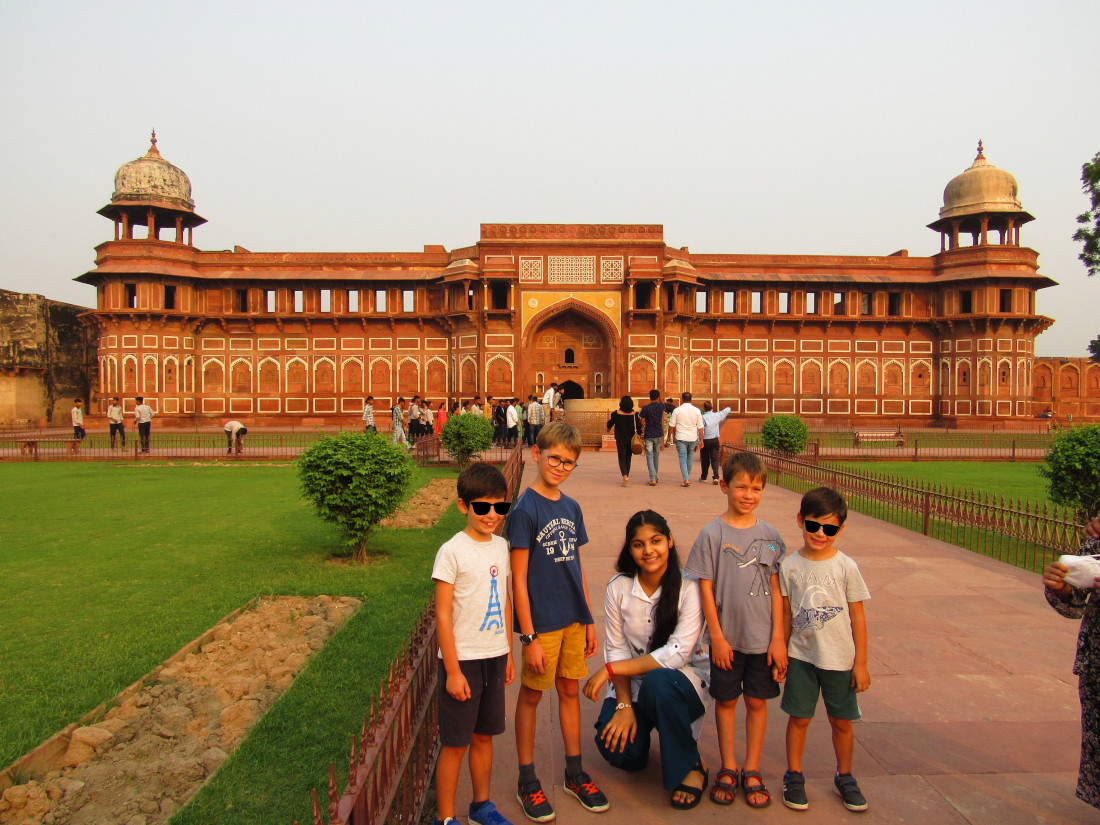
(213, 376)
(351, 374)
(642, 375)
(729, 376)
(810, 377)
(324, 374)
(783, 376)
(171, 375)
(240, 376)
(756, 377)
(270, 375)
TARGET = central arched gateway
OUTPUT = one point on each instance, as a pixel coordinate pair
(575, 344)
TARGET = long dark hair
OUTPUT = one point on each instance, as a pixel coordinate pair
(667, 613)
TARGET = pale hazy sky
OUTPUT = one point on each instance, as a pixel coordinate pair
(784, 127)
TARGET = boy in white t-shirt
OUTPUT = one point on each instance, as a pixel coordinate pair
(826, 629)
(475, 643)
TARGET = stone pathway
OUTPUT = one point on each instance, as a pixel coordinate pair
(972, 716)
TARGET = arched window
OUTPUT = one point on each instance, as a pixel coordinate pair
(570, 356)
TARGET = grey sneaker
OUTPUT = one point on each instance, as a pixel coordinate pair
(847, 789)
(794, 791)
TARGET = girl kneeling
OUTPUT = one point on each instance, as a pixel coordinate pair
(657, 669)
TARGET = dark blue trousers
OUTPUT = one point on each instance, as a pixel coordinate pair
(667, 702)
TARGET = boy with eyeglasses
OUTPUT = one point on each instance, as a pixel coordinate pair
(553, 616)
(475, 645)
(826, 629)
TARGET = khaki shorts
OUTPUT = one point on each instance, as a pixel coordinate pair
(564, 657)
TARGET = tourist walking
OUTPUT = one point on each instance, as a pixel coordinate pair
(368, 416)
(398, 414)
(114, 421)
(653, 415)
(536, 417)
(143, 416)
(441, 416)
(76, 414)
(626, 424)
(685, 425)
(712, 421)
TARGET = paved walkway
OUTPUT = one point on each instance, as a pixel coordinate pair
(972, 715)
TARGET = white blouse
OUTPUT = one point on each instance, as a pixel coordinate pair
(628, 627)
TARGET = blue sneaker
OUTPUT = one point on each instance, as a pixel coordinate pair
(487, 814)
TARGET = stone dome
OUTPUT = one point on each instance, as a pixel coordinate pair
(980, 189)
(153, 180)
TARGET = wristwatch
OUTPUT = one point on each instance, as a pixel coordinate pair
(526, 639)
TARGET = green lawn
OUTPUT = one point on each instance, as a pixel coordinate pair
(1019, 481)
(109, 569)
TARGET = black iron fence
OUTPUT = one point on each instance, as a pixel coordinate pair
(1025, 534)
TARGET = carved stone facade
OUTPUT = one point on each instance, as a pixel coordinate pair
(606, 310)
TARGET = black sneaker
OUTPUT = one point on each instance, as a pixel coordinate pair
(847, 789)
(794, 791)
(584, 789)
(532, 799)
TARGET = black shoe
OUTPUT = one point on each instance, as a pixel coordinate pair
(794, 791)
(847, 789)
(532, 799)
(585, 791)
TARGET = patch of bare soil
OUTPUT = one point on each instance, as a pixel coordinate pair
(426, 505)
(151, 753)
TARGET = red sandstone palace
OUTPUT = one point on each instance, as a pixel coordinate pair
(605, 310)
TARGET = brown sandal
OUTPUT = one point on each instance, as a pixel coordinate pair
(724, 793)
(755, 789)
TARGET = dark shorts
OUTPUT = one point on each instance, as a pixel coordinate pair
(483, 712)
(751, 674)
(805, 682)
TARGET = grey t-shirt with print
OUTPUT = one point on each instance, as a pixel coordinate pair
(740, 563)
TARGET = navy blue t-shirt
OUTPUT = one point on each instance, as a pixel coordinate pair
(653, 415)
(552, 533)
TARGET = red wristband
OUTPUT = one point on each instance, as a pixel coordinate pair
(610, 672)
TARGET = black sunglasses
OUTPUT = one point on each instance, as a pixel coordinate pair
(813, 526)
(481, 508)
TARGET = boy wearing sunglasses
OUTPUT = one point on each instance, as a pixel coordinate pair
(475, 643)
(823, 617)
(553, 616)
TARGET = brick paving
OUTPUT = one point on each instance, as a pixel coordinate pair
(972, 716)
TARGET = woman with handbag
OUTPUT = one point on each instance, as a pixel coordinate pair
(628, 429)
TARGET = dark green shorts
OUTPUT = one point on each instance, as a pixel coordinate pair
(805, 682)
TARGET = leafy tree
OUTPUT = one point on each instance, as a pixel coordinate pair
(788, 433)
(1073, 469)
(465, 436)
(1089, 232)
(1094, 348)
(355, 480)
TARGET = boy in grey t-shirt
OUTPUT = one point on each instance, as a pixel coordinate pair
(736, 558)
(826, 629)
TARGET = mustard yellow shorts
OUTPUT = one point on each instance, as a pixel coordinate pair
(564, 657)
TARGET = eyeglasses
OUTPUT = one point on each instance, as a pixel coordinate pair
(566, 464)
(813, 526)
(481, 508)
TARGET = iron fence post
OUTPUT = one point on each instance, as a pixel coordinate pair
(927, 507)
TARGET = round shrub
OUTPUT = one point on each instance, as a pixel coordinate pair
(355, 480)
(786, 433)
(1073, 469)
(465, 436)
